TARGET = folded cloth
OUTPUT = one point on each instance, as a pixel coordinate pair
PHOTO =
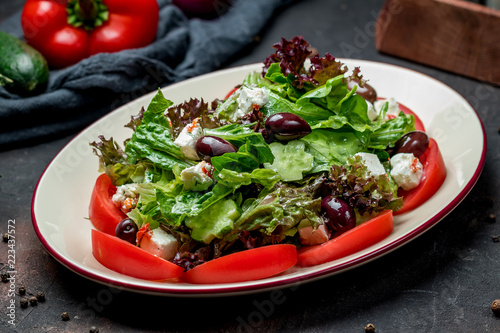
(80, 94)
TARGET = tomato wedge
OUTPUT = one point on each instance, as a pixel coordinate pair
(125, 258)
(352, 241)
(103, 213)
(248, 265)
(434, 176)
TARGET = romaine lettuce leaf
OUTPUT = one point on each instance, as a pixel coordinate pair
(151, 139)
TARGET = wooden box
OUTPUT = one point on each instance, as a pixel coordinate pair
(458, 36)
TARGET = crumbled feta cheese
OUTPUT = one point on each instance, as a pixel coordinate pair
(160, 243)
(371, 112)
(372, 163)
(393, 107)
(198, 177)
(187, 140)
(307, 65)
(248, 98)
(126, 197)
(407, 171)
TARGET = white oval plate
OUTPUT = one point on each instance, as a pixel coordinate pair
(61, 198)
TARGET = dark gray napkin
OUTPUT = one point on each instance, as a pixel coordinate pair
(82, 93)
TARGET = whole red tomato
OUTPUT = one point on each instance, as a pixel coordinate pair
(66, 32)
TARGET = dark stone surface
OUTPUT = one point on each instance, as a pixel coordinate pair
(443, 281)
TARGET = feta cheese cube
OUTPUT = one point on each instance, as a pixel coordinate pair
(160, 243)
(198, 177)
(372, 163)
(407, 171)
(187, 140)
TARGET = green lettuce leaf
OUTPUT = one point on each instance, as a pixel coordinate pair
(388, 132)
(234, 180)
(248, 157)
(276, 214)
(333, 146)
(215, 222)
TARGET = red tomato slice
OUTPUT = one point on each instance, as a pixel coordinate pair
(247, 265)
(352, 241)
(103, 213)
(125, 258)
(434, 176)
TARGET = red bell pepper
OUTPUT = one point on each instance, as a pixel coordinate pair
(66, 32)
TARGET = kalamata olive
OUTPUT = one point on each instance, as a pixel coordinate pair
(286, 126)
(126, 229)
(338, 214)
(366, 91)
(415, 142)
(210, 146)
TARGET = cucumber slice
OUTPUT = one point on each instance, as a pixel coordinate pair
(290, 160)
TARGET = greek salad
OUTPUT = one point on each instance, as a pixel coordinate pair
(300, 164)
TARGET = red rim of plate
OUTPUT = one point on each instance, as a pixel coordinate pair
(263, 285)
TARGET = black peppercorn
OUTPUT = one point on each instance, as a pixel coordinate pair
(5, 277)
(22, 290)
(370, 328)
(492, 217)
(40, 296)
(94, 329)
(65, 316)
(6, 237)
(495, 307)
(33, 300)
(496, 239)
(24, 303)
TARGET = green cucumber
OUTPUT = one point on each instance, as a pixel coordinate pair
(290, 160)
(23, 70)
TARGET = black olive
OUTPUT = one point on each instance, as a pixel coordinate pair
(286, 126)
(127, 230)
(415, 142)
(210, 146)
(338, 214)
